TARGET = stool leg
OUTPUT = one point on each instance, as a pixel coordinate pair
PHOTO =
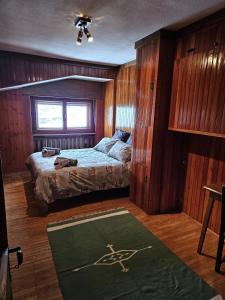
(221, 239)
(219, 252)
(205, 224)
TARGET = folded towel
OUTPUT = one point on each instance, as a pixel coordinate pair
(57, 150)
(61, 162)
(48, 151)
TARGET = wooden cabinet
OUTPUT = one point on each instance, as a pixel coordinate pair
(198, 90)
(169, 167)
(154, 69)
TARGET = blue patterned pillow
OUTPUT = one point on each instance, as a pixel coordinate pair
(129, 141)
(120, 151)
(105, 144)
(121, 135)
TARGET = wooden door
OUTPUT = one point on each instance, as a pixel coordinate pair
(5, 287)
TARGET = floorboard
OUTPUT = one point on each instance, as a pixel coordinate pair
(36, 279)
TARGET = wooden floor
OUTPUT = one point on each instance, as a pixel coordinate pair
(36, 279)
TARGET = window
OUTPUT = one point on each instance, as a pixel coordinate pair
(62, 115)
(49, 115)
(77, 115)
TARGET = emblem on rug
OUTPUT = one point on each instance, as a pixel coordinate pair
(114, 257)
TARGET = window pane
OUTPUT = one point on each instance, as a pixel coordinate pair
(77, 115)
(49, 115)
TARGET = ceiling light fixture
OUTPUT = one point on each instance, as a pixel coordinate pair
(82, 24)
(79, 37)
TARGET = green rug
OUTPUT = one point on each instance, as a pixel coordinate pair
(110, 255)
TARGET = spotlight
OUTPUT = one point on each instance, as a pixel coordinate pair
(88, 35)
(82, 23)
(79, 37)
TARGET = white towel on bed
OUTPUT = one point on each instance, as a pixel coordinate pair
(61, 162)
(48, 151)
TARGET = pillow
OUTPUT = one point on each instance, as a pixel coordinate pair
(121, 151)
(129, 141)
(121, 135)
(105, 144)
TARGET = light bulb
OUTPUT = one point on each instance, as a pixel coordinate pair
(90, 39)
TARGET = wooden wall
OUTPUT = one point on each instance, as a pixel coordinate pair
(16, 141)
(205, 165)
(99, 120)
(187, 161)
(125, 97)
(120, 95)
(173, 172)
(198, 108)
(198, 94)
(109, 109)
(22, 68)
(71, 88)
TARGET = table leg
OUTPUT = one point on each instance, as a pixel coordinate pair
(205, 224)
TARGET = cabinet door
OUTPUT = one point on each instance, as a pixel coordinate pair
(5, 286)
(198, 84)
(147, 68)
(5, 280)
(3, 225)
(140, 166)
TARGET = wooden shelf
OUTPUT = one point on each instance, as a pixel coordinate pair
(213, 134)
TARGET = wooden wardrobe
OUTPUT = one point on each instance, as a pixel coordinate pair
(179, 146)
(154, 63)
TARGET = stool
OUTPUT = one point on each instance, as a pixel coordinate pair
(219, 258)
(216, 193)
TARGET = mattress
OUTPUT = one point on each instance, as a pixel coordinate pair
(94, 171)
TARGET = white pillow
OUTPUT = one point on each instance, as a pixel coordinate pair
(121, 151)
(105, 144)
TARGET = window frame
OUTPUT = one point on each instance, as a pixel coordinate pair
(90, 106)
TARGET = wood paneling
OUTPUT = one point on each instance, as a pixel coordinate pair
(120, 97)
(125, 97)
(3, 228)
(72, 141)
(37, 279)
(198, 107)
(154, 70)
(205, 165)
(147, 67)
(99, 120)
(198, 93)
(21, 69)
(16, 141)
(174, 172)
(109, 109)
(71, 88)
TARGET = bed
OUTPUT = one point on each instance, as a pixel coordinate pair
(95, 171)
